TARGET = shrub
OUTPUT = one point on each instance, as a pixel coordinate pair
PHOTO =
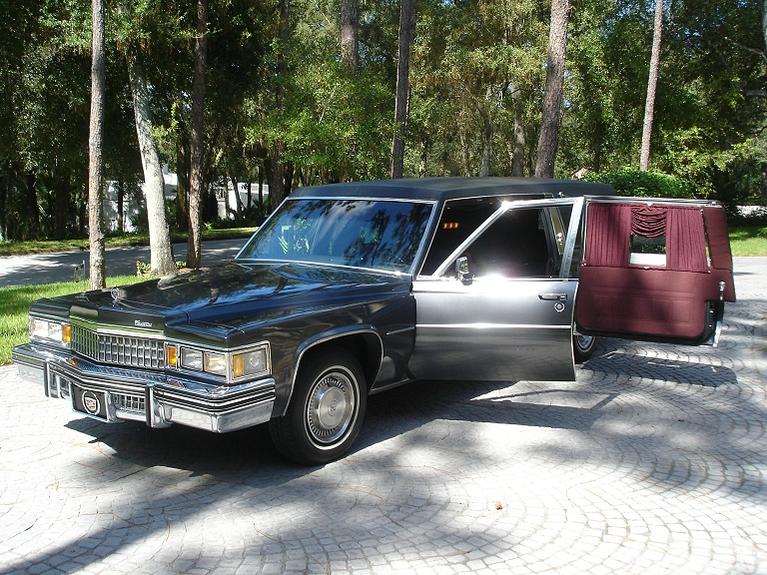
(633, 182)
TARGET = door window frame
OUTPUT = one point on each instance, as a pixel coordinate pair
(507, 205)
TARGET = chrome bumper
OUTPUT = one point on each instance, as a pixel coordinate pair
(159, 399)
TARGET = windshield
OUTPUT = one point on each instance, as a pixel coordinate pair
(382, 235)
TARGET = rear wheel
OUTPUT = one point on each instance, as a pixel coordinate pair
(326, 411)
(583, 347)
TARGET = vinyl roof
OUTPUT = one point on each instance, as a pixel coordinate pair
(452, 188)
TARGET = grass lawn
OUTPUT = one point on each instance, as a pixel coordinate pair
(44, 246)
(14, 306)
(749, 240)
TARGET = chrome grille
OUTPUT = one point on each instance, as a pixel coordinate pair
(118, 349)
(129, 403)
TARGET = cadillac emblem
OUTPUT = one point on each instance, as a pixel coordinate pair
(91, 402)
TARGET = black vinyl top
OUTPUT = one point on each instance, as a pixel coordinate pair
(453, 188)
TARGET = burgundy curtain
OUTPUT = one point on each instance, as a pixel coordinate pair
(648, 221)
(607, 235)
(685, 240)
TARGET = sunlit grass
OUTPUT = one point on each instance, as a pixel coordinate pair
(749, 241)
(15, 301)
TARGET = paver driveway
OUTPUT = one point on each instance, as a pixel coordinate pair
(654, 461)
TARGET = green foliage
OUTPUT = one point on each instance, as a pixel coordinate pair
(277, 89)
(633, 182)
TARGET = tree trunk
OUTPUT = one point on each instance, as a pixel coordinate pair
(465, 160)
(276, 175)
(548, 139)
(34, 209)
(194, 245)
(349, 33)
(652, 82)
(487, 145)
(261, 189)
(406, 33)
(61, 202)
(120, 206)
(518, 153)
(97, 279)
(250, 193)
(162, 262)
(4, 186)
(274, 161)
(182, 181)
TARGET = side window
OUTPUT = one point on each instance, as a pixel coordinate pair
(520, 244)
(459, 219)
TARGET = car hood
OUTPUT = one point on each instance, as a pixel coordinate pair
(232, 294)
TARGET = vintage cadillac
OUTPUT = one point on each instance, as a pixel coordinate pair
(351, 289)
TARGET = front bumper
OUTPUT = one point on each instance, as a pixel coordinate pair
(157, 398)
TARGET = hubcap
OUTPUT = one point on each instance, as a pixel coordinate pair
(584, 341)
(331, 407)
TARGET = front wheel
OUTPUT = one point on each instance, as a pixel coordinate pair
(583, 347)
(326, 411)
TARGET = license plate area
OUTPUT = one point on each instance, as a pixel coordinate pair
(89, 402)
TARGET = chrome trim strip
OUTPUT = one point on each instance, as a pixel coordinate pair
(120, 330)
(299, 198)
(572, 235)
(481, 325)
(402, 330)
(433, 234)
(506, 205)
(420, 255)
(309, 262)
(400, 199)
(322, 340)
(653, 201)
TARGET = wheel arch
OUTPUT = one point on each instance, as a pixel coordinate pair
(365, 343)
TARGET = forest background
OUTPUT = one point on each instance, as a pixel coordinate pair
(300, 92)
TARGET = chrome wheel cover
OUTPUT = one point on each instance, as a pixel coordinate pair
(331, 407)
(584, 342)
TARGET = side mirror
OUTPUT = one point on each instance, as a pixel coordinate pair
(462, 270)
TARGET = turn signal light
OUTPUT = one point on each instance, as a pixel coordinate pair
(171, 355)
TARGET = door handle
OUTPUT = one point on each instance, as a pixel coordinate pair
(553, 296)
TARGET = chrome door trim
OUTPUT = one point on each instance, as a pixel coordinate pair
(572, 234)
(488, 325)
(505, 206)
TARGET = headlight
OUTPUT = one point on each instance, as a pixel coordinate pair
(191, 358)
(51, 331)
(215, 362)
(233, 365)
(252, 362)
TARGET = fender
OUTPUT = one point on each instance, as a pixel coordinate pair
(324, 337)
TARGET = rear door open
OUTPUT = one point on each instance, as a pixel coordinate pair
(656, 270)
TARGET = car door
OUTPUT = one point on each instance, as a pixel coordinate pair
(509, 316)
(654, 269)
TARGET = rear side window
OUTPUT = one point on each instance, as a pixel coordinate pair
(648, 235)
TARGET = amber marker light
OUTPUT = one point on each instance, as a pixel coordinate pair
(66, 333)
(171, 355)
(238, 365)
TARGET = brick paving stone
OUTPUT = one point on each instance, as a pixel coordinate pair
(652, 461)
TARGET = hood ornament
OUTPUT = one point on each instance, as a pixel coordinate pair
(115, 295)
